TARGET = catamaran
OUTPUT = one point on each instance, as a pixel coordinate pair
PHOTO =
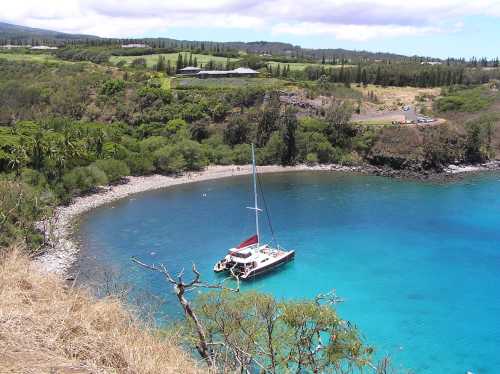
(251, 258)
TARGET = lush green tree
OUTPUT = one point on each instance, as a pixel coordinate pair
(151, 144)
(192, 153)
(140, 163)
(20, 207)
(242, 154)
(112, 86)
(82, 180)
(168, 160)
(176, 127)
(339, 130)
(216, 151)
(289, 124)
(199, 131)
(259, 332)
(268, 121)
(311, 159)
(115, 170)
(274, 150)
(237, 130)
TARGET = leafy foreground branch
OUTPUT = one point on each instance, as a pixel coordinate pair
(252, 332)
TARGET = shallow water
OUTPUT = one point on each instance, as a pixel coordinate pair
(418, 263)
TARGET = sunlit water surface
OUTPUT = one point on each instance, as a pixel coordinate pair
(418, 263)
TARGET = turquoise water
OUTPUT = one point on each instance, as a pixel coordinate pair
(417, 263)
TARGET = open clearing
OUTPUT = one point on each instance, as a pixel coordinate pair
(151, 60)
(36, 57)
(294, 66)
(387, 107)
(395, 97)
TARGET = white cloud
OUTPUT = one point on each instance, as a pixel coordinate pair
(358, 33)
(356, 20)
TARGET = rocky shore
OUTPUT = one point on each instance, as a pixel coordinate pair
(61, 251)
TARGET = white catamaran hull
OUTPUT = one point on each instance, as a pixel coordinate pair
(263, 264)
(259, 270)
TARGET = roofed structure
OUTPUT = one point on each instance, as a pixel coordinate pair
(189, 70)
(135, 45)
(239, 72)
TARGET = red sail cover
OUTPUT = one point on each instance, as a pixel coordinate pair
(252, 240)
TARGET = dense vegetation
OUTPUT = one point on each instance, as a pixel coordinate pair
(70, 127)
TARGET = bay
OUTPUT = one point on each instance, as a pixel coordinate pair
(418, 263)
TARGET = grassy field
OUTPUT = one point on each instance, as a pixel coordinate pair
(294, 66)
(215, 83)
(151, 60)
(38, 57)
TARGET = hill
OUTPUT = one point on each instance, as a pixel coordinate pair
(16, 33)
(286, 49)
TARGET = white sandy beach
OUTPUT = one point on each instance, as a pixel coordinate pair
(62, 251)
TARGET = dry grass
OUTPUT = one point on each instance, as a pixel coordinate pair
(392, 96)
(48, 327)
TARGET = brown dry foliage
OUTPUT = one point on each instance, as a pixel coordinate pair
(49, 327)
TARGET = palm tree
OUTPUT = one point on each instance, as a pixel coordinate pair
(18, 158)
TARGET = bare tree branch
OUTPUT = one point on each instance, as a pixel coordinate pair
(180, 288)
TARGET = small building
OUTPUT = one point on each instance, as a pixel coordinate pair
(240, 72)
(10, 46)
(244, 72)
(431, 63)
(135, 45)
(189, 70)
(43, 47)
(213, 74)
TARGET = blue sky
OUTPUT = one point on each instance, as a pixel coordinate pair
(432, 28)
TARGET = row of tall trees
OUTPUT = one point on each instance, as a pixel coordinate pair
(397, 75)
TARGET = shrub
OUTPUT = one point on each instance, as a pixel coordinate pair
(20, 208)
(311, 159)
(351, 159)
(111, 87)
(140, 164)
(149, 95)
(153, 143)
(216, 151)
(138, 63)
(114, 169)
(115, 150)
(81, 180)
(175, 127)
(168, 160)
(242, 154)
(464, 100)
(192, 153)
(33, 178)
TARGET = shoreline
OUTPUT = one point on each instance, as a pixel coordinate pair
(61, 251)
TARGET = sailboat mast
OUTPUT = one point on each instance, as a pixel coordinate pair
(256, 206)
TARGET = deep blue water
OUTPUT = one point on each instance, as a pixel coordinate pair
(418, 263)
